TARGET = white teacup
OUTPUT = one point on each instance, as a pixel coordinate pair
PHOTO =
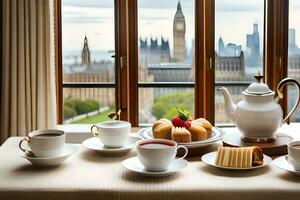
(44, 143)
(113, 134)
(157, 154)
(294, 154)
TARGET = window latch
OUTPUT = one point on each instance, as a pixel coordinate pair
(209, 63)
(279, 62)
(122, 61)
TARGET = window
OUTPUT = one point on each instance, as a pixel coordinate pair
(88, 46)
(166, 58)
(238, 51)
(150, 58)
(293, 52)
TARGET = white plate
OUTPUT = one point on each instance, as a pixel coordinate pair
(216, 135)
(95, 144)
(210, 158)
(69, 149)
(133, 164)
(282, 163)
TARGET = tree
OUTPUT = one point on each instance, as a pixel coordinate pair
(166, 106)
(80, 106)
(69, 112)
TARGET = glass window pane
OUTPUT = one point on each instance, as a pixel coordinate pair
(88, 42)
(163, 103)
(166, 40)
(166, 51)
(238, 47)
(294, 52)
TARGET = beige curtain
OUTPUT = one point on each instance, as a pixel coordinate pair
(28, 93)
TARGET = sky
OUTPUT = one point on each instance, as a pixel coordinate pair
(95, 18)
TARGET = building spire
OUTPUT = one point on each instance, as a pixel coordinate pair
(178, 5)
(255, 28)
(85, 54)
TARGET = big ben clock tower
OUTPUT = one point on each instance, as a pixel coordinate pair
(179, 35)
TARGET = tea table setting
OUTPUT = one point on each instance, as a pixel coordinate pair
(177, 158)
(89, 175)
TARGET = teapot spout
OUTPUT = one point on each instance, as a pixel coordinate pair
(229, 105)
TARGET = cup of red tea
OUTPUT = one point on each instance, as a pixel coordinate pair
(294, 154)
(158, 154)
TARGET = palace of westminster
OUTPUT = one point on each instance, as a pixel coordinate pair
(157, 65)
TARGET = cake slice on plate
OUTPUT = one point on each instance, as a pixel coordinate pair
(242, 157)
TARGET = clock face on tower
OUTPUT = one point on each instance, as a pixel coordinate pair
(180, 26)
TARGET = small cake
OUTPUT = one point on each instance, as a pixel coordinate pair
(162, 128)
(198, 133)
(181, 135)
(202, 122)
(242, 157)
(182, 128)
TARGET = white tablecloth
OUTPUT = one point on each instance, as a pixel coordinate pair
(88, 175)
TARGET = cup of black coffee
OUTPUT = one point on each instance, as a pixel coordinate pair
(44, 143)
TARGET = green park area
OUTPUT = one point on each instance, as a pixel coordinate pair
(164, 106)
(94, 119)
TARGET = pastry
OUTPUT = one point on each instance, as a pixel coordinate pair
(181, 135)
(202, 122)
(162, 129)
(198, 133)
(182, 128)
(242, 157)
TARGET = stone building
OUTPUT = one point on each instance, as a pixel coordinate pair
(230, 68)
(179, 35)
(253, 58)
(154, 52)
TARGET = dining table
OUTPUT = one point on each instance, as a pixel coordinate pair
(92, 175)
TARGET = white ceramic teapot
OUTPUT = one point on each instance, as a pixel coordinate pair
(258, 115)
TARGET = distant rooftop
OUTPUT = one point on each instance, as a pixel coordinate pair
(170, 65)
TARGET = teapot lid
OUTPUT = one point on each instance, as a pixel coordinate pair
(258, 88)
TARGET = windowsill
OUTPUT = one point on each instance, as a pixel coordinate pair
(76, 133)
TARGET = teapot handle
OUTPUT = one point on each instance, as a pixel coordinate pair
(281, 95)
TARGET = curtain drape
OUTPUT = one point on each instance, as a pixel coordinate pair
(28, 86)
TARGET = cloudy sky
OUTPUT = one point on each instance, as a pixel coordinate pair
(234, 19)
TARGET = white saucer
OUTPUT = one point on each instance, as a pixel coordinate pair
(216, 135)
(95, 144)
(133, 164)
(69, 149)
(210, 158)
(282, 163)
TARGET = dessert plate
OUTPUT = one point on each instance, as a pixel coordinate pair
(134, 165)
(209, 159)
(69, 149)
(283, 163)
(95, 144)
(216, 135)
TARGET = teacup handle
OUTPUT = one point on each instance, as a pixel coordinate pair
(26, 139)
(96, 134)
(185, 154)
(280, 95)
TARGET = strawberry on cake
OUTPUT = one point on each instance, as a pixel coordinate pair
(182, 128)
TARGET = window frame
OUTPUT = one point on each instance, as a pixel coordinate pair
(275, 53)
